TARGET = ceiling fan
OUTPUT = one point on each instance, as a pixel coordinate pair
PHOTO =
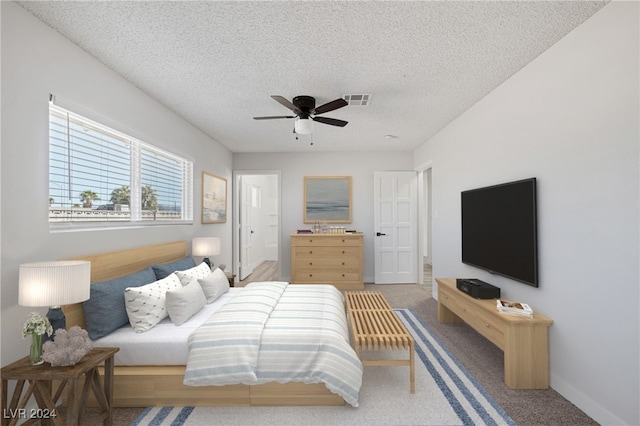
(306, 111)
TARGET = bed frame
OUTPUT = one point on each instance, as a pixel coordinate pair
(156, 385)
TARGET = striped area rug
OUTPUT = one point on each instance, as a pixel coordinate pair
(446, 394)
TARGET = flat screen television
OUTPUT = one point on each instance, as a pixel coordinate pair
(499, 230)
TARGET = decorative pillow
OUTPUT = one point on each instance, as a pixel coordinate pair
(105, 311)
(163, 270)
(215, 285)
(201, 271)
(146, 305)
(185, 301)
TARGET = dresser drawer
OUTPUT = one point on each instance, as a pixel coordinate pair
(338, 253)
(486, 323)
(327, 241)
(311, 263)
(326, 276)
(463, 309)
(450, 300)
(490, 327)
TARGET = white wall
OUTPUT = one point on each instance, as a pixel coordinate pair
(37, 61)
(571, 119)
(295, 166)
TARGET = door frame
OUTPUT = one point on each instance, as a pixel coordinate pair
(423, 211)
(237, 174)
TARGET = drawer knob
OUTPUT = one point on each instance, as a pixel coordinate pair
(310, 263)
(310, 251)
(343, 275)
(342, 251)
(342, 263)
(310, 241)
(310, 275)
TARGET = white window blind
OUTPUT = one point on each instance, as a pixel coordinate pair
(98, 174)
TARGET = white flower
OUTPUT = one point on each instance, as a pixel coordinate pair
(36, 324)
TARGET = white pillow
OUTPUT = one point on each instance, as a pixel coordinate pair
(146, 305)
(185, 301)
(214, 285)
(201, 271)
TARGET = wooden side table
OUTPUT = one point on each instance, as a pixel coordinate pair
(41, 378)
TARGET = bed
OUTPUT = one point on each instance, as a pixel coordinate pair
(162, 385)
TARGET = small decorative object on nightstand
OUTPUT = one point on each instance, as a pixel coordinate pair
(36, 326)
(41, 379)
(231, 277)
(69, 347)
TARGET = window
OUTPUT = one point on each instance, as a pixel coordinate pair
(98, 175)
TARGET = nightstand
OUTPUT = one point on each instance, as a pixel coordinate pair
(41, 379)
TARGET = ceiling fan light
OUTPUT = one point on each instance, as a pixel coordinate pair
(304, 126)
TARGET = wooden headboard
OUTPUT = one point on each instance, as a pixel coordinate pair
(107, 266)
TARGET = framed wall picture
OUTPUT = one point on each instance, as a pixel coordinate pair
(327, 199)
(214, 198)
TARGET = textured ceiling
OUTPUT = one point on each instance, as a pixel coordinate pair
(216, 63)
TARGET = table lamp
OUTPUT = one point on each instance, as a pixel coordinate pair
(205, 246)
(54, 284)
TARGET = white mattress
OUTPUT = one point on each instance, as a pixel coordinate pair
(164, 344)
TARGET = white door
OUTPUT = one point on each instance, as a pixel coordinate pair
(395, 232)
(246, 230)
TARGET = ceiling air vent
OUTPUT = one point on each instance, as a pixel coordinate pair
(358, 100)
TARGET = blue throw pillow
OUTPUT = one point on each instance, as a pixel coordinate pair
(105, 310)
(165, 269)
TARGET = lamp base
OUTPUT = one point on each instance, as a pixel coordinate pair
(57, 319)
(208, 262)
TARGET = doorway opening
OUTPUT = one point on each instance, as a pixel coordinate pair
(425, 219)
(256, 216)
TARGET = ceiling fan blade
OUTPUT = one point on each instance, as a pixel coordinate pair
(285, 102)
(330, 121)
(273, 117)
(330, 106)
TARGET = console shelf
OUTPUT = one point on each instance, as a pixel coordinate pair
(524, 341)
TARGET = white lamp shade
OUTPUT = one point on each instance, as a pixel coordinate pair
(303, 126)
(205, 246)
(54, 283)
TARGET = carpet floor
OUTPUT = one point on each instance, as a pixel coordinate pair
(479, 356)
(445, 394)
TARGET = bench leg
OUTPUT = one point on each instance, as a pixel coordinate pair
(412, 372)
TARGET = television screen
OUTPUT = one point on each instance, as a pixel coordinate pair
(499, 230)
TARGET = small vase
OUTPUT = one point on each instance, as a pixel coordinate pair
(35, 353)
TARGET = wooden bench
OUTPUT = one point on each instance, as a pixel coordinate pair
(375, 326)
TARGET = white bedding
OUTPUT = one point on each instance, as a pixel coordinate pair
(274, 331)
(164, 344)
(303, 337)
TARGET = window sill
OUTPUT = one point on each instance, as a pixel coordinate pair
(106, 226)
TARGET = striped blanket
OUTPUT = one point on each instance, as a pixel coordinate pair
(276, 332)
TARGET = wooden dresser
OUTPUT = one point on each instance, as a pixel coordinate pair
(328, 259)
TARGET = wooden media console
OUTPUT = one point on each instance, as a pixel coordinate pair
(524, 341)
